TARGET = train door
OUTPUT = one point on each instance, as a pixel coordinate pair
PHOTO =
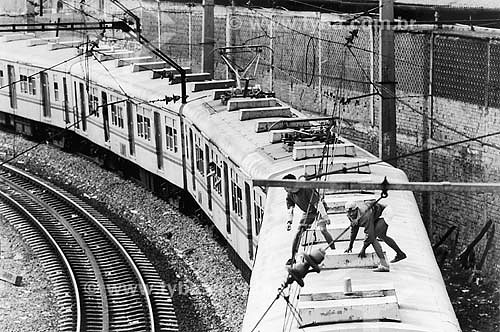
(158, 140)
(12, 86)
(130, 125)
(82, 107)
(105, 115)
(44, 82)
(248, 207)
(66, 107)
(76, 115)
(191, 138)
(209, 187)
(226, 198)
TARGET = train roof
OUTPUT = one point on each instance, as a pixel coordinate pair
(253, 152)
(420, 297)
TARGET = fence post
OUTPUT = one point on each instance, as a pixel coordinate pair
(427, 128)
(271, 44)
(320, 65)
(488, 74)
(373, 76)
(190, 34)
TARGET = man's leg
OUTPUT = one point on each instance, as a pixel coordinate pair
(323, 221)
(380, 253)
(381, 231)
(296, 240)
(326, 234)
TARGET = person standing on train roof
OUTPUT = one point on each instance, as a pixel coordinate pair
(308, 200)
(372, 219)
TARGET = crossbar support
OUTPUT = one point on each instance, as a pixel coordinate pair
(402, 186)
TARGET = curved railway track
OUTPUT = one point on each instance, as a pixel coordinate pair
(102, 281)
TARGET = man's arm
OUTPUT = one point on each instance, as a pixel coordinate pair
(354, 234)
(290, 204)
(289, 219)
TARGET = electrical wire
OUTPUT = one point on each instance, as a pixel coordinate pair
(111, 75)
(74, 124)
(332, 41)
(496, 133)
(42, 71)
(393, 95)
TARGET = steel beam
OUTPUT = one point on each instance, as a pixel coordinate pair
(401, 186)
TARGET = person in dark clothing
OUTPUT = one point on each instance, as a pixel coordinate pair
(309, 202)
(370, 217)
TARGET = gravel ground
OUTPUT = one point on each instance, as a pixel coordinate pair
(32, 304)
(212, 294)
(475, 300)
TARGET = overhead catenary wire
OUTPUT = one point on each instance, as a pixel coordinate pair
(42, 71)
(332, 41)
(394, 95)
(496, 133)
(74, 124)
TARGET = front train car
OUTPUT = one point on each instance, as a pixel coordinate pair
(411, 297)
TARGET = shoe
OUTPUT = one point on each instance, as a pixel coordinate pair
(381, 268)
(399, 257)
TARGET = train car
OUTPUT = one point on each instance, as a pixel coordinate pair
(212, 148)
(411, 297)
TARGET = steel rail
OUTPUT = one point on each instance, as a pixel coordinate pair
(110, 236)
(59, 251)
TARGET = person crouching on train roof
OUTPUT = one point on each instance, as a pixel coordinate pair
(308, 200)
(372, 219)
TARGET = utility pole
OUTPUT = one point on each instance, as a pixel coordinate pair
(387, 136)
(159, 25)
(207, 55)
(230, 35)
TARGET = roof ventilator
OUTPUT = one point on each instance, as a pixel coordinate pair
(128, 61)
(315, 151)
(348, 305)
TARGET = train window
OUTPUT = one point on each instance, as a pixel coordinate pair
(236, 194)
(171, 135)
(94, 102)
(199, 155)
(258, 206)
(140, 121)
(23, 83)
(116, 112)
(143, 124)
(1, 78)
(119, 111)
(114, 115)
(56, 88)
(75, 106)
(32, 85)
(217, 177)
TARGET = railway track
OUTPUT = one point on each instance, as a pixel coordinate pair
(102, 280)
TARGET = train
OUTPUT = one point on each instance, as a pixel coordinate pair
(210, 150)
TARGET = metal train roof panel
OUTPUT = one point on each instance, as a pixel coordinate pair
(40, 56)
